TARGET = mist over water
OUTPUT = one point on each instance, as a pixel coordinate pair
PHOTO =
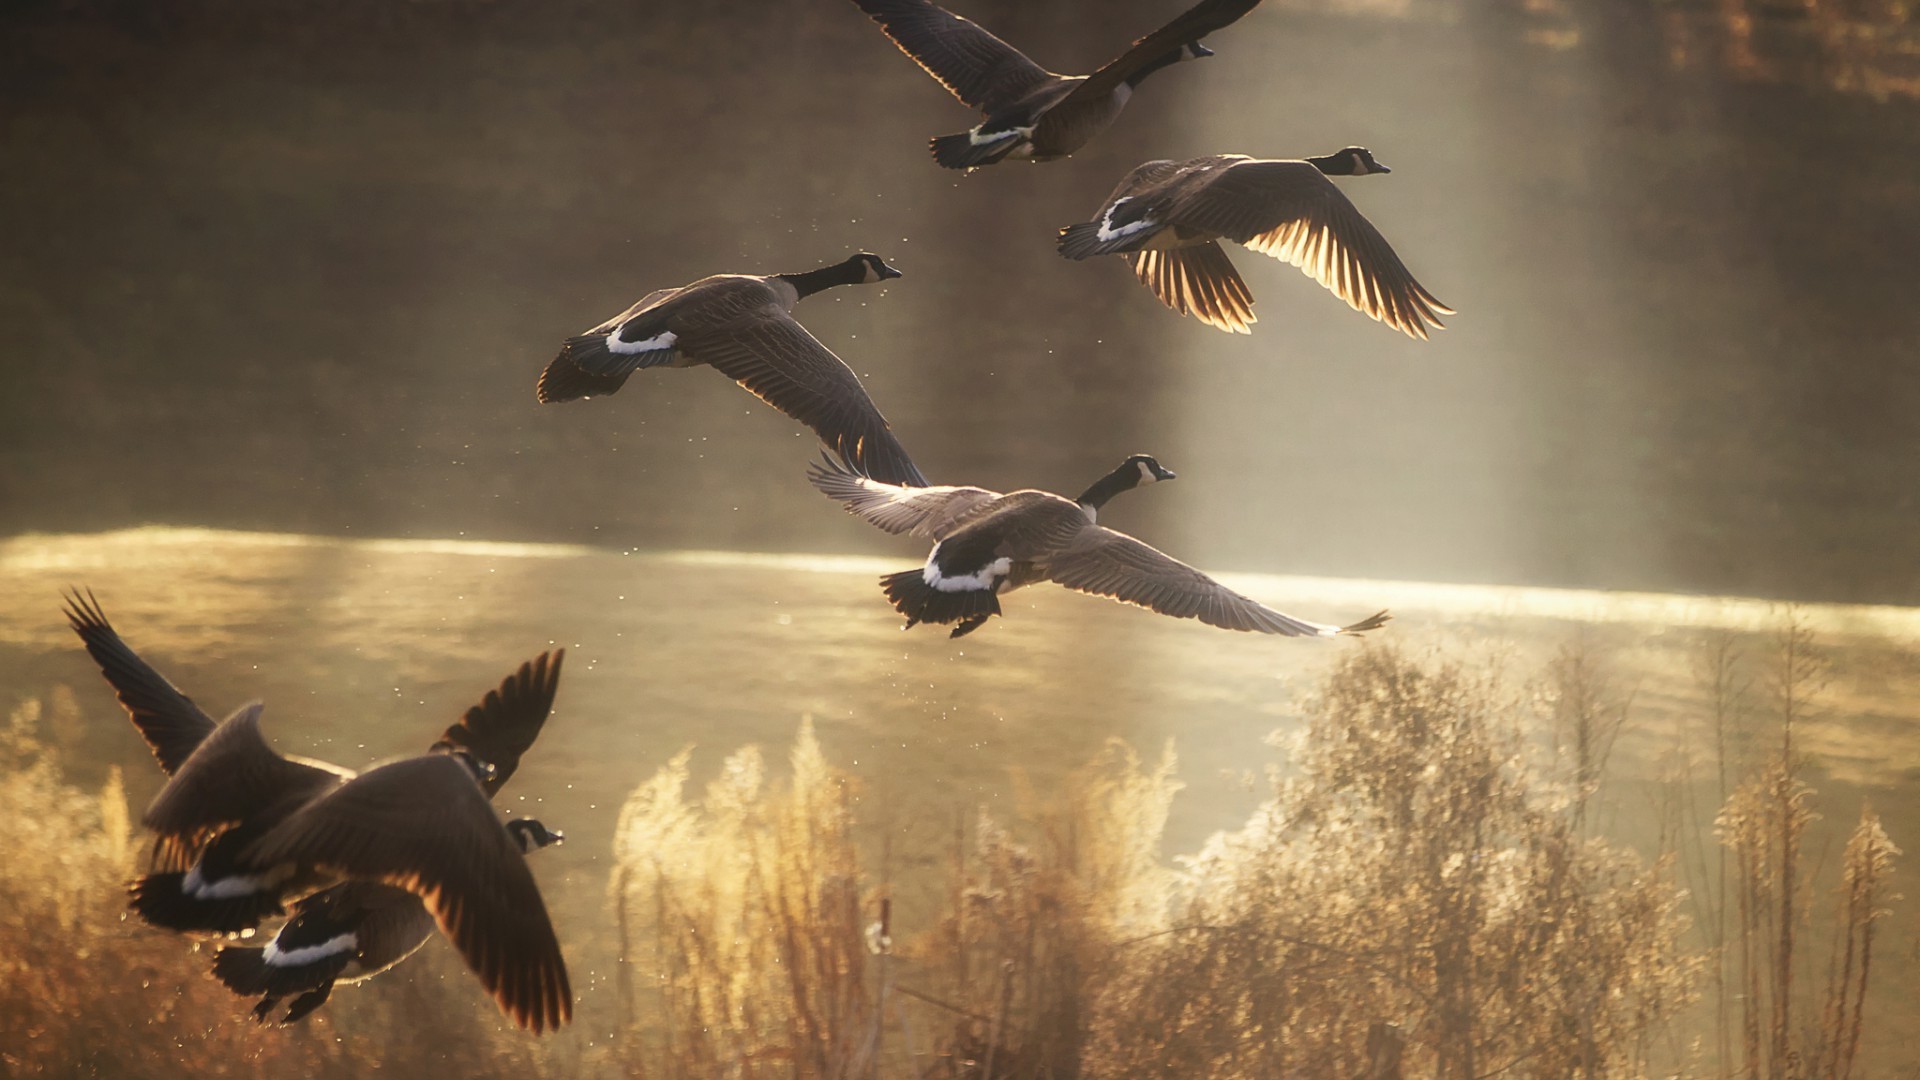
(274, 267)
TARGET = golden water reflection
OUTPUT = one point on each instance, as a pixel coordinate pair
(365, 649)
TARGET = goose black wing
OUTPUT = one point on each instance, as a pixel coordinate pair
(1191, 25)
(168, 719)
(767, 352)
(976, 67)
(232, 776)
(505, 724)
(1109, 563)
(424, 825)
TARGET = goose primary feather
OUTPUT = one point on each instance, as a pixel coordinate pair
(1031, 112)
(1168, 217)
(987, 543)
(742, 325)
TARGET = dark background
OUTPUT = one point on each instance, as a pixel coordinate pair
(294, 266)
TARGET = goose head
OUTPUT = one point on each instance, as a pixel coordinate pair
(1350, 162)
(1148, 469)
(530, 835)
(1353, 161)
(1129, 474)
(872, 268)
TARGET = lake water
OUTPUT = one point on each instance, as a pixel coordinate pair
(365, 649)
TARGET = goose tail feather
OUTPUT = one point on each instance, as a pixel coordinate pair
(160, 900)
(1083, 241)
(922, 603)
(962, 152)
(566, 380)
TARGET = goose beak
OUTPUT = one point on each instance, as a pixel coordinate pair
(887, 272)
(1379, 168)
(1195, 50)
(1161, 472)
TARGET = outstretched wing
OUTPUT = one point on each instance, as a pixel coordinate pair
(1108, 563)
(503, 726)
(1191, 25)
(976, 67)
(424, 825)
(1292, 211)
(168, 719)
(920, 511)
(231, 776)
(773, 356)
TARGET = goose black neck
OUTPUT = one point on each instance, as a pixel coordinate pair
(840, 273)
(1166, 59)
(1124, 478)
(1333, 164)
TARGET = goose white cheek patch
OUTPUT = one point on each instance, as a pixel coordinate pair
(659, 342)
(1108, 232)
(274, 956)
(988, 578)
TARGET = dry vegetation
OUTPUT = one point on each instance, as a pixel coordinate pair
(86, 992)
(1419, 894)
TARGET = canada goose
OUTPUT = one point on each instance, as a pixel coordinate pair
(1168, 217)
(986, 543)
(358, 929)
(424, 824)
(230, 790)
(743, 325)
(1030, 111)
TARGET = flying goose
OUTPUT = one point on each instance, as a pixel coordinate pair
(1168, 217)
(1030, 111)
(743, 325)
(986, 543)
(357, 929)
(229, 790)
(424, 824)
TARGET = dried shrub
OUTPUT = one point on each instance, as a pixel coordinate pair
(1412, 899)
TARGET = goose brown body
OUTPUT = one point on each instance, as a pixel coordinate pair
(1167, 218)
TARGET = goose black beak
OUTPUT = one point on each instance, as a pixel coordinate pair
(1195, 50)
(886, 272)
(1161, 472)
(1379, 168)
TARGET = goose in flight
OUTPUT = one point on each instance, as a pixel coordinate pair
(1031, 112)
(987, 543)
(743, 326)
(229, 791)
(1168, 218)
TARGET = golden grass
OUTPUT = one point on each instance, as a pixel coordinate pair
(84, 991)
(1419, 894)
